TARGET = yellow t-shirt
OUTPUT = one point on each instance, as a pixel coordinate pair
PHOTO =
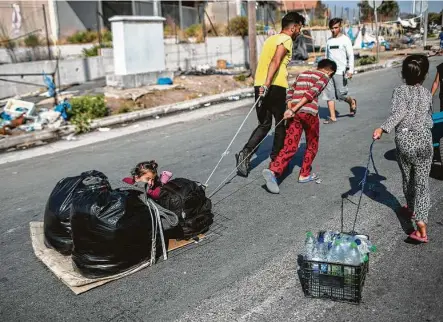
(268, 51)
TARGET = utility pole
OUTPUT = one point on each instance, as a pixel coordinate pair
(252, 35)
(425, 28)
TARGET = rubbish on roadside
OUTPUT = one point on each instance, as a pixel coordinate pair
(234, 98)
(164, 81)
(157, 117)
(16, 108)
(334, 265)
(207, 104)
(64, 108)
(48, 116)
(104, 129)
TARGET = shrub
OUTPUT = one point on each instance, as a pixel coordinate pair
(238, 26)
(366, 61)
(91, 52)
(107, 36)
(193, 30)
(32, 41)
(6, 42)
(240, 78)
(86, 108)
(83, 37)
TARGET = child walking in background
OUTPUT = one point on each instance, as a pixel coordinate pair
(302, 115)
(147, 172)
(411, 117)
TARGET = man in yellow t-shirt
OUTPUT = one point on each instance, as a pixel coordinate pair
(271, 82)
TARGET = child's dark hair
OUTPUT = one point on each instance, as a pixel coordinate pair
(141, 168)
(335, 21)
(327, 64)
(292, 18)
(415, 68)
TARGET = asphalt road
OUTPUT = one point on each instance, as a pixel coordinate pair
(246, 268)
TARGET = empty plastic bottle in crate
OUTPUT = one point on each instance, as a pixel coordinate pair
(309, 245)
(352, 256)
(321, 252)
(335, 255)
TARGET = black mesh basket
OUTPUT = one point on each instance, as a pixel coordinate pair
(334, 281)
(339, 282)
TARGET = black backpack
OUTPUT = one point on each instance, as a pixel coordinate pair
(187, 199)
(184, 197)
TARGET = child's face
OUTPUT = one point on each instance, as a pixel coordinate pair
(148, 177)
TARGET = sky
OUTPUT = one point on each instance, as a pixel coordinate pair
(405, 6)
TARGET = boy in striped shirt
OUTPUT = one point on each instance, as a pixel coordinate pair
(302, 114)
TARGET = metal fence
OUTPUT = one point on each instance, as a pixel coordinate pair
(24, 33)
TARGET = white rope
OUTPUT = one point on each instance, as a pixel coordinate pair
(235, 169)
(232, 141)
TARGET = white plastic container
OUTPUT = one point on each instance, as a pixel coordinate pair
(16, 108)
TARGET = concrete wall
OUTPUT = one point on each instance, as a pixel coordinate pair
(75, 71)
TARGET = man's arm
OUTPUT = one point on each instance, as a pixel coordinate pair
(435, 84)
(350, 55)
(275, 63)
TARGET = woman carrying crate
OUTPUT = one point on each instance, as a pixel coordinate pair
(411, 117)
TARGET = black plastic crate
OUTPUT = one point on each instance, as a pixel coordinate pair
(338, 282)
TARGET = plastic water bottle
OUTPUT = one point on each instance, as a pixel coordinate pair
(309, 245)
(353, 256)
(321, 253)
(335, 255)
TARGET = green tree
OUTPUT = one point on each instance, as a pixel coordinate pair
(434, 17)
(388, 10)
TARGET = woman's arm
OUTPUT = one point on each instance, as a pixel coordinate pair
(435, 84)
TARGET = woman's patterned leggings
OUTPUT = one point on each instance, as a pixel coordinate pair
(301, 121)
(414, 156)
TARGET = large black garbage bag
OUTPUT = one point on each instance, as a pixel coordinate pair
(187, 199)
(300, 48)
(111, 231)
(57, 226)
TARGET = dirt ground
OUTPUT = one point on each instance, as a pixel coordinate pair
(188, 87)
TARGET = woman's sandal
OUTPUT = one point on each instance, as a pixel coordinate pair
(353, 111)
(329, 121)
(418, 238)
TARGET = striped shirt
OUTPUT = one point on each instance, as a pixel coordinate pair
(308, 84)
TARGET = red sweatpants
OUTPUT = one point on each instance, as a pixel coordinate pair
(301, 121)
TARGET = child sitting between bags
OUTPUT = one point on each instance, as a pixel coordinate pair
(147, 172)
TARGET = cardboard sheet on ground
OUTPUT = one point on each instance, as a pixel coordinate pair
(62, 267)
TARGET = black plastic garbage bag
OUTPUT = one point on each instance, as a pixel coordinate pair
(111, 231)
(300, 48)
(57, 226)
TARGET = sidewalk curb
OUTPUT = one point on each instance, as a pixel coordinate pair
(55, 134)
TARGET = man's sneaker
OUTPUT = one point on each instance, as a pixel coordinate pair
(243, 162)
(271, 181)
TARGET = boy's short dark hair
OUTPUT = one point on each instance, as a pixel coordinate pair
(327, 64)
(292, 18)
(335, 21)
(414, 69)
